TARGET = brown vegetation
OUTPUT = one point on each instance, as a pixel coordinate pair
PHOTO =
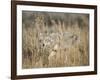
(54, 39)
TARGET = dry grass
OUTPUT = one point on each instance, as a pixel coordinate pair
(41, 49)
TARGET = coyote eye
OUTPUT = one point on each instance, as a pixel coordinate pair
(43, 45)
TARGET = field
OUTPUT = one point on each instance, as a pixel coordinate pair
(54, 39)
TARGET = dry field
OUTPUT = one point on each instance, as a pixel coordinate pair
(54, 39)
